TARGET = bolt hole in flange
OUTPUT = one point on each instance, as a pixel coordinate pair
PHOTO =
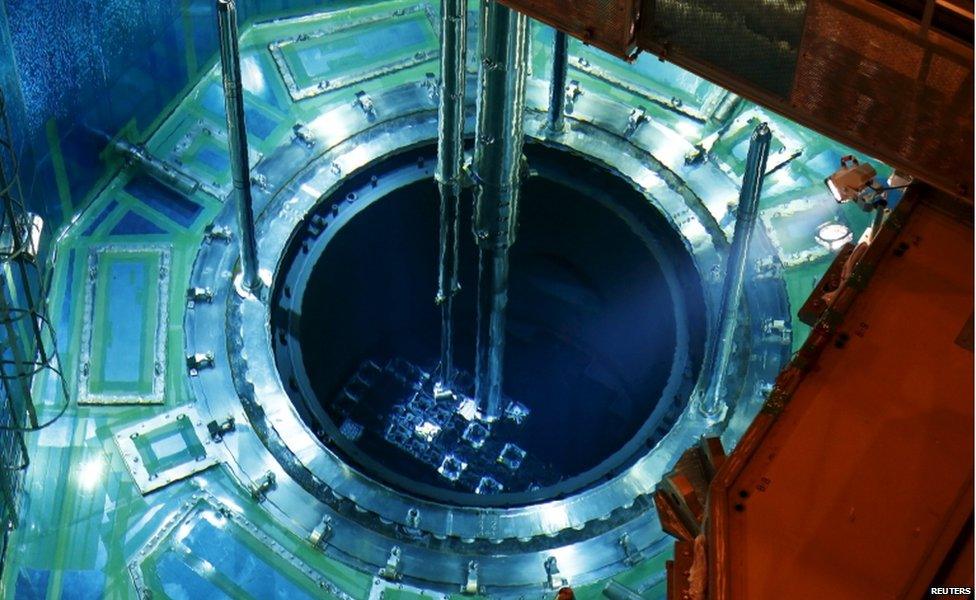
(604, 337)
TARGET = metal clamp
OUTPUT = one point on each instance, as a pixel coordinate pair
(269, 482)
(217, 430)
(573, 91)
(303, 134)
(198, 294)
(637, 117)
(322, 532)
(430, 84)
(632, 555)
(199, 361)
(365, 103)
(215, 232)
(556, 580)
(393, 569)
(470, 587)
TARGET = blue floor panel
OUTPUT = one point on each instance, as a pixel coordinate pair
(217, 161)
(100, 218)
(229, 556)
(32, 583)
(134, 224)
(180, 582)
(125, 321)
(164, 200)
(258, 123)
(83, 585)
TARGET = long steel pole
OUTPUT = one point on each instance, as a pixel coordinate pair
(230, 63)
(497, 174)
(557, 85)
(719, 353)
(450, 158)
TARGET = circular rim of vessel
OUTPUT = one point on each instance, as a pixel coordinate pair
(367, 518)
(294, 274)
(260, 386)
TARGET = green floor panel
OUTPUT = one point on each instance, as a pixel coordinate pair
(125, 321)
(170, 445)
(134, 273)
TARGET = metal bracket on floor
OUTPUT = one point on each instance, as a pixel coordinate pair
(199, 361)
(322, 532)
(166, 448)
(219, 430)
(393, 569)
(632, 555)
(470, 587)
(195, 295)
(216, 232)
(267, 483)
(554, 578)
(304, 135)
(637, 117)
(365, 103)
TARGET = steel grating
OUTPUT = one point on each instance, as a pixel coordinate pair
(895, 85)
(757, 42)
(607, 24)
(885, 80)
(864, 74)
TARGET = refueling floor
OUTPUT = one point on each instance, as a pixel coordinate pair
(118, 296)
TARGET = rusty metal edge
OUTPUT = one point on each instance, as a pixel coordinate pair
(719, 584)
(961, 187)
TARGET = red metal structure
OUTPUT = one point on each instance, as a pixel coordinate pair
(893, 79)
(856, 479)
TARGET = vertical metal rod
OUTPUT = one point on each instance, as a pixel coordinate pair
(557, 86)
(230, 63)
(877, 221)
(450, 159)
(927, 14)
(719, 352)
(497, 173)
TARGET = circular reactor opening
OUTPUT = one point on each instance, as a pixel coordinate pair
(605, 328)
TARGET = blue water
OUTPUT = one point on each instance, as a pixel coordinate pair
(88, 68)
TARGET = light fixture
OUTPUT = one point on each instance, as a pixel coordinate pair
(854, 182)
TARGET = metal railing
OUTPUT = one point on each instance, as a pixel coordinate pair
(29, 365)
